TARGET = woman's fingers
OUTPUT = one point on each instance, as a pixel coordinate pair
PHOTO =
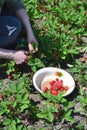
(32, 49)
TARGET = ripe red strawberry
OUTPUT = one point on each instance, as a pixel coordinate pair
(55, 86)
(85, 12)
(66, 88)
(45, 89)
(54, 92)
(57, 79)
(62, 89)
(9, 76)
(61, 81)
(52, 82)
(58, 85)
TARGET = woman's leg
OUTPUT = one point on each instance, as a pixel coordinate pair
(10, 28)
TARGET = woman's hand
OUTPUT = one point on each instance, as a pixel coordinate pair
(32, 43)
(20, 56)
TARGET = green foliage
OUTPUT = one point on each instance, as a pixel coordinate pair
(10, 65)
(47, 112)
(14, 102)
(80, 71)
(34, 63)
(53, 105)
(60, 25)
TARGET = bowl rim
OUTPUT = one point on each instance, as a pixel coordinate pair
(52, 68)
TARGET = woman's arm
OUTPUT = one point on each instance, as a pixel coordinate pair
(6, 54)
(18, 56)
(22, 15)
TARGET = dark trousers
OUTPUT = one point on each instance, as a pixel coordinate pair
(10, 28)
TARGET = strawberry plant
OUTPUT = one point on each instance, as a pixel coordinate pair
(10, 67)
(34, 63)
(15, 101)
(56, 107)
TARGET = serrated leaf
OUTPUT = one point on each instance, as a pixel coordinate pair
(12, 86)
(24, 107)
(12, 127)
(25, 96)
(19, 86)
(3, 108)
(34, 68)
(50, 117)
(6, 121)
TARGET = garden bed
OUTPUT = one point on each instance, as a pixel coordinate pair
(61, 29)
(28, 117)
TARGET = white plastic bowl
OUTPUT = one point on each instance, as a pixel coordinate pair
(40, 75)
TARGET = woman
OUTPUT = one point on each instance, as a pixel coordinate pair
(12, 16)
